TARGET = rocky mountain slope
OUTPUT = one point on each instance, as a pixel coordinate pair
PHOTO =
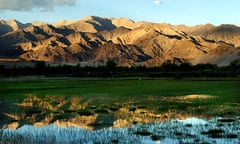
(11, 25)
(225, 32)
(95, 40)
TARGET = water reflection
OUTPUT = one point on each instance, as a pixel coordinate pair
(97, 112)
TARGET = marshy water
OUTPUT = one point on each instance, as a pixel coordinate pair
(190, 130)
(98, 112)
(57, 119)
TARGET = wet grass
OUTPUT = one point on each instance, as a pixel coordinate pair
(119, 87)
(175, 131)
(109, 96)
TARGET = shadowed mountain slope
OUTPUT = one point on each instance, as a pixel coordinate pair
(96, 40)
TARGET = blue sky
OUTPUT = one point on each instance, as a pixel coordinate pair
(189, 12)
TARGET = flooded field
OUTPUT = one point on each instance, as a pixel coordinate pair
(94, 113)
(192, 130)
(123, 110)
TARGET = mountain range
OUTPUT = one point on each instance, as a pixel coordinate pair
(95, 40)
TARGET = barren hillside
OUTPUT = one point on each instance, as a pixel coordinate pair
(95, 40)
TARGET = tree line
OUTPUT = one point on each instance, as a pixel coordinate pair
(111, 69)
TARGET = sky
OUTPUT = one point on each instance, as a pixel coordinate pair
(189, 12)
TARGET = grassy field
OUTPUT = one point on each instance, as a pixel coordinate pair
(113, 99)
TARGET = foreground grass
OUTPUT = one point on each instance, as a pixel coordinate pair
(109, 96)
(184, 131)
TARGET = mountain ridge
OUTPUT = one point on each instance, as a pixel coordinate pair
(95, 40)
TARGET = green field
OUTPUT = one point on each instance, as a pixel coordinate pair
(146, 100)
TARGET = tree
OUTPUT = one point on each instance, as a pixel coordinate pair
(40, 67)
(235, 65)
(111, 66)
(185, 67)
(167, 66)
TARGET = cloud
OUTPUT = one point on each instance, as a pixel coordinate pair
(157, 2)
(28, 5)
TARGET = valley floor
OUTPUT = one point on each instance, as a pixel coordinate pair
(127, 110)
